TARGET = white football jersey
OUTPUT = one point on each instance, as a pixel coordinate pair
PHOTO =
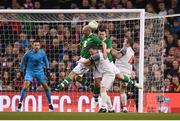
(124, 63)
(104, 65)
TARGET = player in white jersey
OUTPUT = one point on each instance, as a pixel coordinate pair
(119, 76)
(103, 65)
(124, 64)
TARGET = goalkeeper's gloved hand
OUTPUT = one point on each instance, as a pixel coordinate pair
(48, 75)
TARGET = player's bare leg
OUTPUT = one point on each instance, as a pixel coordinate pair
(104, 99)
(126, 79)
(23, 93)
(72, 75)
(109, 104)
(123, 97)
(48, 95)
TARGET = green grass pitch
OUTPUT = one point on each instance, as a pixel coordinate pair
(87, 116)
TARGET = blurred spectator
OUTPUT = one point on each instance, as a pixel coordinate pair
(129, 5)
(6, 82)
(162, 9)
(176, 27)
(55, 51)
(167, 85)
(24, 43)
(37, 5)
(177, 51)
(85, 4)
(173, 69)
(149, 8)
(28, 4)
(176, 83)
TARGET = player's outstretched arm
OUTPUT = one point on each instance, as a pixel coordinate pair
(45, 59)
(118, 54)
(84, 61)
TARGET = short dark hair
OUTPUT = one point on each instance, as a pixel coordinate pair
(36, 40)
(102, 29)
(92, 46)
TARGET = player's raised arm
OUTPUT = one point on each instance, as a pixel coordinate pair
(118, 54)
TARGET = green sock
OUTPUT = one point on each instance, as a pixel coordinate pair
(82, 81)
(96, 92)
(65, 82)
(127, 80)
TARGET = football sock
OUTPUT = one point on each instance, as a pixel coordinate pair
(96, 92)
(104, 99)
(109, 103)
(23, 93)
(127, 80)
(65, 82)
(123, 99)
(48, 95)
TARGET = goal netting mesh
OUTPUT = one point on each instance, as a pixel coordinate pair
(59, 34)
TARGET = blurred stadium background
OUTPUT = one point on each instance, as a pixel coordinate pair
(60, 40)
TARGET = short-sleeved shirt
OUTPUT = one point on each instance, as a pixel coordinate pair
(85, 42)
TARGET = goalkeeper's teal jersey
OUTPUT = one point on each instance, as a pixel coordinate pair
(34, 61)
(85, 42)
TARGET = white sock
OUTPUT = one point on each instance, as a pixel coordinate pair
(124, 99)
(109, 103)
(104, 99)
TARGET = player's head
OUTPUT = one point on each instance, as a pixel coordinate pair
(127, 42)
(102, 33)
(93, 49)
(36, 45)
(86, 30)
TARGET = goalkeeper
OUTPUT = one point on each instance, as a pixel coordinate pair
(33, 61)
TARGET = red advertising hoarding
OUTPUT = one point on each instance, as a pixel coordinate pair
(82, 102)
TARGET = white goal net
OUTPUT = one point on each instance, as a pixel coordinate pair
(59, 32)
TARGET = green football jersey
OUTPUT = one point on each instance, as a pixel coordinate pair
(109, 45)
(86, 41)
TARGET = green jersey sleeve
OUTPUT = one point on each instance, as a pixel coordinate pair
(109, 45)
(86, 41)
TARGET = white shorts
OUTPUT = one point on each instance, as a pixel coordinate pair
(97, 74)
(123, 70)
(80, 69)
(116, 70)
(107, 80)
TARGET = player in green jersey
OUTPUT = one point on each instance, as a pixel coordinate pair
(77, 73)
